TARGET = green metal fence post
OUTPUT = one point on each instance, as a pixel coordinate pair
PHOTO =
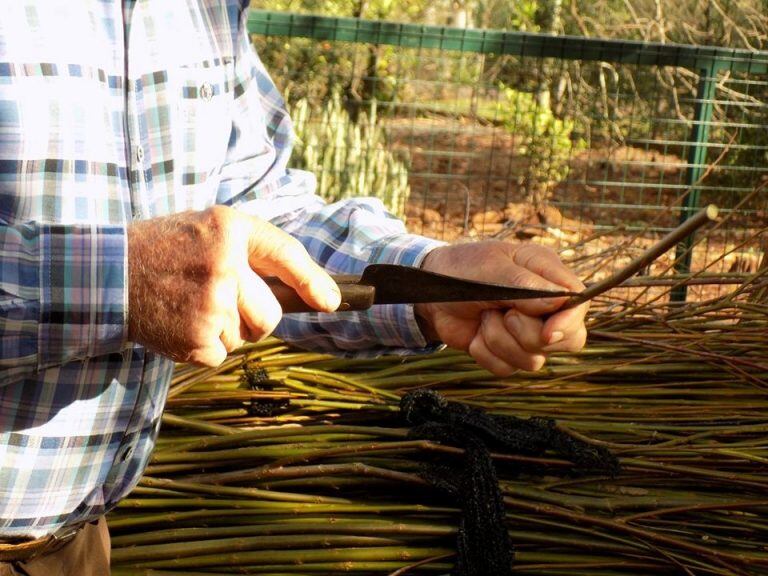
(697, 158)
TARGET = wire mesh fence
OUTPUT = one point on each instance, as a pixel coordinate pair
(594, 147)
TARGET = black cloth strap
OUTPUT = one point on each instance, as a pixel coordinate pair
(483, 546)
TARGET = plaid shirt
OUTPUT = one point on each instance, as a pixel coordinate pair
(112, 111)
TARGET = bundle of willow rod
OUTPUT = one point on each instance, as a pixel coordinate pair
(307, 468)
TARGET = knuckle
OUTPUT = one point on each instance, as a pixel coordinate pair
(219, 229)
(291, 249)
(493, 338)
(208, 253)
(525, 253)
(528, 339)
(549, 252)
(476, 349)
(218, 217)
(525, 279)
(532, 250)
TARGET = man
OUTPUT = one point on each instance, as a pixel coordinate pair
(143, 195)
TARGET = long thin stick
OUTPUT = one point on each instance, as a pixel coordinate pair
(705, 216)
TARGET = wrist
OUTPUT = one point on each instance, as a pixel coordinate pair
(430, 261)
(423, 319)
(135, 249)
(423, 311)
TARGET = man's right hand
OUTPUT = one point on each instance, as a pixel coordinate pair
(195, 291)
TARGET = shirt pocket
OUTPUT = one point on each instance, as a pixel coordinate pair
(204, 105)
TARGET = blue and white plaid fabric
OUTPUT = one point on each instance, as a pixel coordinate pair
(112, 111)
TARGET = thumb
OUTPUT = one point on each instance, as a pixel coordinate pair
(540, 268)
(535, 306)
(272, 252)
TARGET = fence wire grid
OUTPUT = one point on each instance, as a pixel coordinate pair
(594, 147)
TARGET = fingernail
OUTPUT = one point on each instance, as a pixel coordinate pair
(556, 337)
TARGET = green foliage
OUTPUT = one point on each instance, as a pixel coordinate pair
(302, 67)
(306, 67)
(517, 15)
(351, 159)
(376, 9)
(546, 140)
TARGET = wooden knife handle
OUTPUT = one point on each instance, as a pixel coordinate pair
(354, 296)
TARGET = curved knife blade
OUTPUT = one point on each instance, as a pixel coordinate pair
(405, 285)
(395, 284)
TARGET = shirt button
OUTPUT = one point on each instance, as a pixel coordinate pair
(206, 91)
(127, 453)
(139, 154)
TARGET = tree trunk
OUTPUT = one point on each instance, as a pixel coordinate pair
(360, 85)
(548, 20)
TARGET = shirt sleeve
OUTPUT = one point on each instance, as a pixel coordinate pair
(342, 237)
(62, 295)
(345, 237)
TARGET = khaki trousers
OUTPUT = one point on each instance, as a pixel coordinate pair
(86, 555)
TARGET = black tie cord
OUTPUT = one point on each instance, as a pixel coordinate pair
(256, 378)
(483, 546)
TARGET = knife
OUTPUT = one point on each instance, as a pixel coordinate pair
(395, 284)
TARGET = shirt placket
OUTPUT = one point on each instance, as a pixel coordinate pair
(125, 467)
(135, 136)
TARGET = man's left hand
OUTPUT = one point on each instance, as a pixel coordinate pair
(506, 335)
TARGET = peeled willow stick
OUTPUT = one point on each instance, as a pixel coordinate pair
(705, 216)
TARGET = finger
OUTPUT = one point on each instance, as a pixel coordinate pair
(545, 262)
(524, 278)
(504, 345)
(201, 343)
(259, 310)
(487, 359)
(273, 252)
(225, 302)
(538, 306)
(565, 330)
(539, 267)
(527, 330)
(231, 335)
(212, 355)
(572, 344)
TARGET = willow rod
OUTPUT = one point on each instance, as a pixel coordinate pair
(705, 216)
